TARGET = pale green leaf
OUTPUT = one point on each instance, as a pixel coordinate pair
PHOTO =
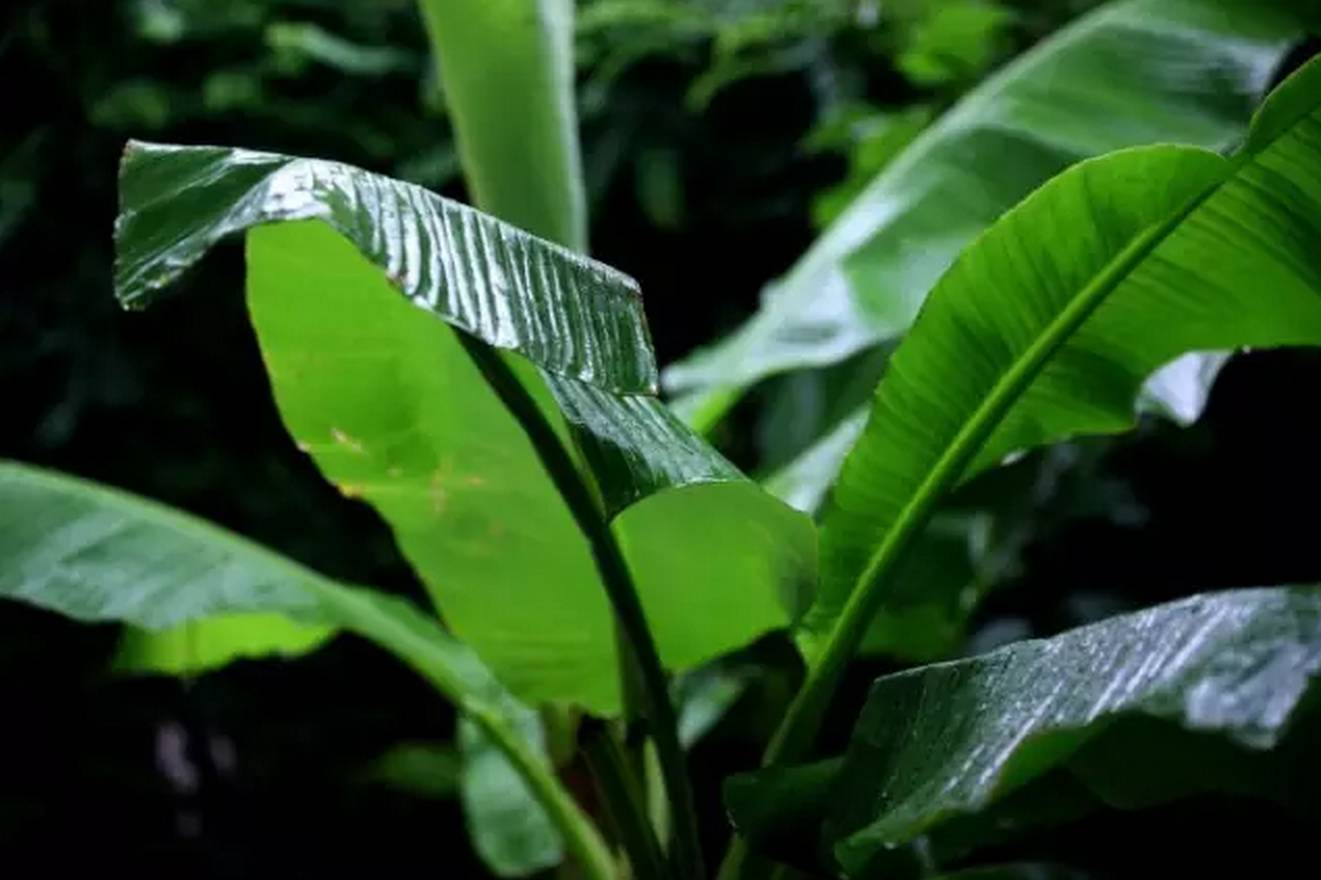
(1132, 72)
(507, 70)
(1049, 325)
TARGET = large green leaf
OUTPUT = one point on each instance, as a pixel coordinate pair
(972, 542)
(1049, 325)
(507, 70)
(390, 407)
(1133, 72)
(1169, 701)
(100, 555)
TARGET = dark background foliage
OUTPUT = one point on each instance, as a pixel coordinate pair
(714, 145)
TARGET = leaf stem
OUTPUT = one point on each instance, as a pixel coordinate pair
(638, 644)
(621, 793)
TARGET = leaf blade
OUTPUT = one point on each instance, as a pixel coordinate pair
(1236, 665)
(1032, 338)
(1118, 77)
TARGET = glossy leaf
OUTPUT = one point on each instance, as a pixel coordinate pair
(943, 741)
(507, 70)
(393, 411)
(1132, 72)
(959, 556)
(1049, 325)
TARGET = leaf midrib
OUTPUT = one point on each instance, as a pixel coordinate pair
(972, 434)
(864, 596)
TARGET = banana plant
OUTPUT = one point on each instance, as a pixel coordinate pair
(492, 395)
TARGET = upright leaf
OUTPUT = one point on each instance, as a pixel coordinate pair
(1132, 72)
(1049, 325)
(507, 70)
(392, 410)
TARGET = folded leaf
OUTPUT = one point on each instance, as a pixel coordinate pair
(389, 405)
(950, 740)
(1130, 73)
(1048, 326)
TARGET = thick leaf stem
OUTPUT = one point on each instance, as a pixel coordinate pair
(618, 581)
(621, 793)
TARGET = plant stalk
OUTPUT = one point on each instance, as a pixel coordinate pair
(621, 793)
(638, 646)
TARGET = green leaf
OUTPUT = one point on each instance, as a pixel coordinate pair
(1049, 325)
(1224, 677)
(1133, 72)
(509, 829)
(200, 645)
(968, 546)
(392, 410)
(99, 555)
(424, 769)
(507, 70)
(953, 41)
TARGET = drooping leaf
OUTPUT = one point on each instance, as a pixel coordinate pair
(1049, 325)
(507, 70)
(388, 404)
(1133, 72)
(100, 555)
(1185, 697)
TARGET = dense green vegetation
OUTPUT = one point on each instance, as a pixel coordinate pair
(1020, 270)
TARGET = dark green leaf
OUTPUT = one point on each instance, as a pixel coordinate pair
(99, 555)
(952, 739)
